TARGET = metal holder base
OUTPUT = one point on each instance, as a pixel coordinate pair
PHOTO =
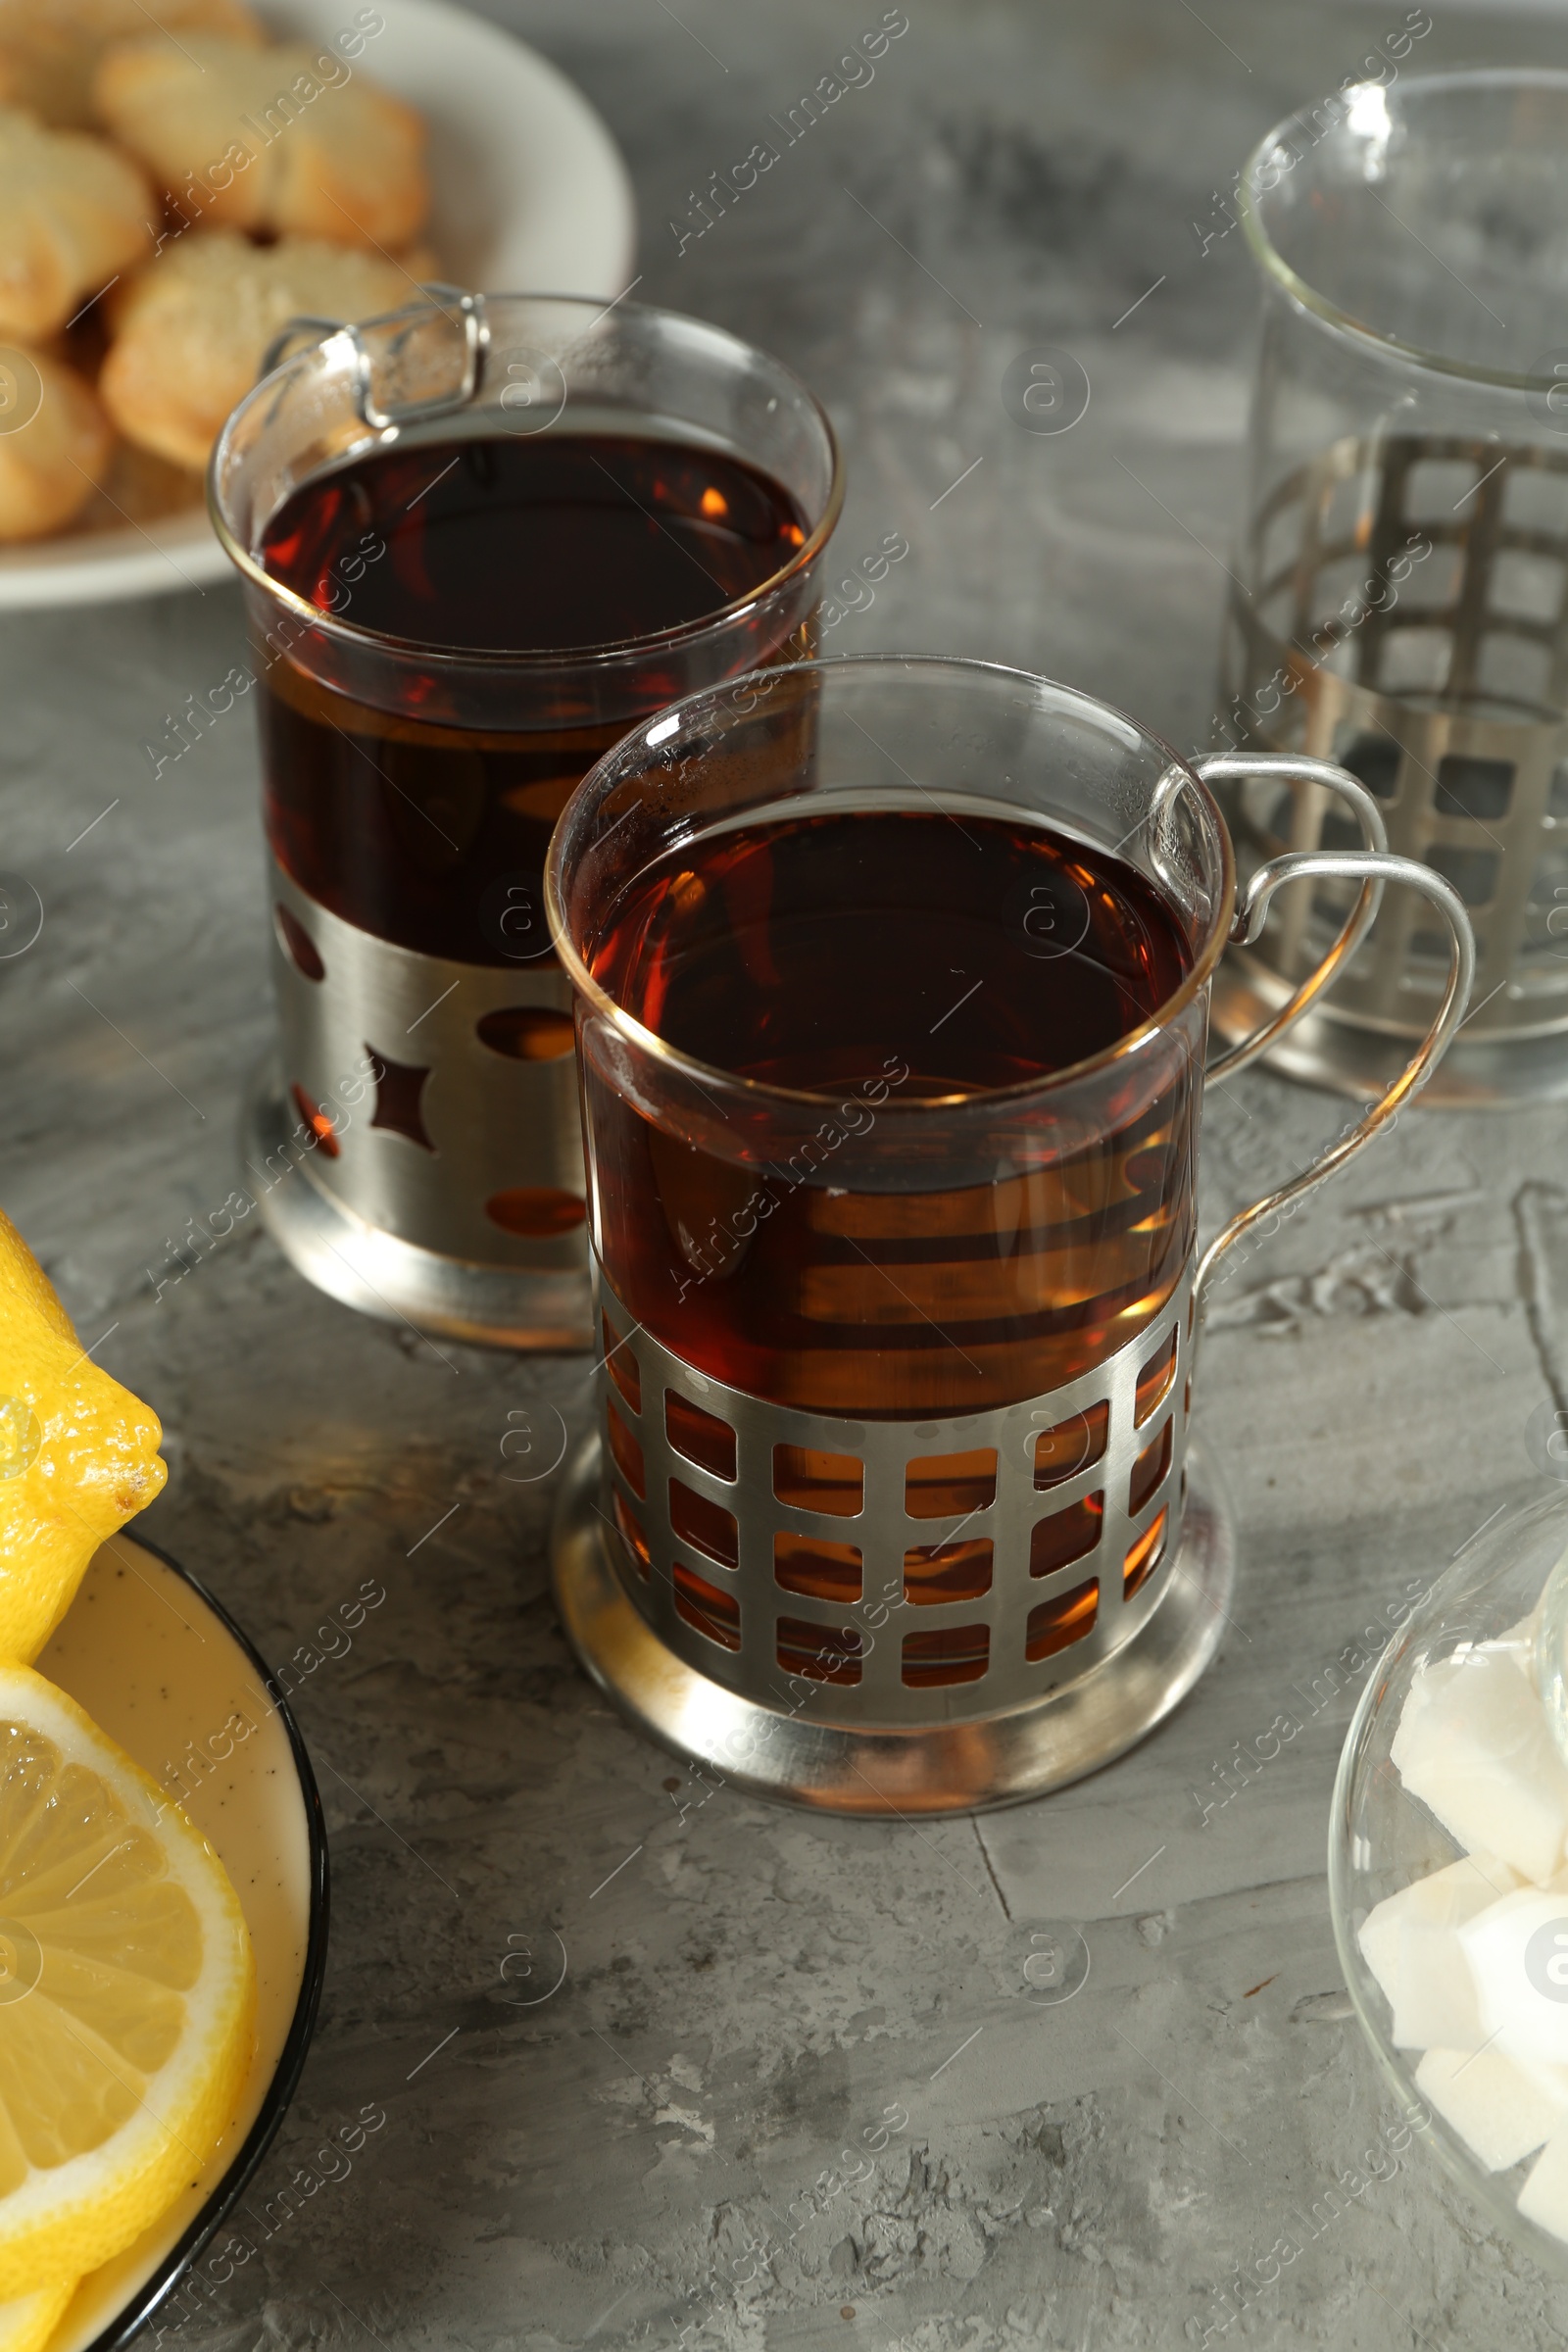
(379, 1274)
(946, 1768)
(1321, 1050)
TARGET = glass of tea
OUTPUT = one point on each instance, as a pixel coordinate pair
(892, 995)
(479, 540)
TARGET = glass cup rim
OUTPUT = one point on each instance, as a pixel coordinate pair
(959, 669)
(587, 656)
(1278, 272)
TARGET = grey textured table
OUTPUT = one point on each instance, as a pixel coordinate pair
(748, 1993)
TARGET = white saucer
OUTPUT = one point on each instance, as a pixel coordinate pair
(530, 197)
(158, 1664)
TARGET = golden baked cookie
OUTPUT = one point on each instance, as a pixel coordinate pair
(289, 141)
(73, 213)
(49, 49)
(55, 443)
(191, 330)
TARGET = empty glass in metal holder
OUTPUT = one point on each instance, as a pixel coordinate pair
(1401, 605)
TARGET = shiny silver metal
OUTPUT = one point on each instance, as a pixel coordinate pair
(424, 1124)
(1293, 768)
(381, 414)
(1454, 710)
(1103, 1508)
(1363, 867)
(1372, 868)
(370, 1269)
(789, 1749)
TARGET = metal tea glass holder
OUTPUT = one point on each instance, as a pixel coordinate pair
(424, 1106)
(1105, 1558)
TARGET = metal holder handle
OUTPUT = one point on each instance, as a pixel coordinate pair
(1373, 868)
(435, 296)
(1225, 766)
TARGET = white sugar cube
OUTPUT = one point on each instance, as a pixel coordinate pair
(1518, 1956)
(1498, 2110)
(1474, 1745)
(1410, 1945)
(1544, 2197)
(1437, 2006)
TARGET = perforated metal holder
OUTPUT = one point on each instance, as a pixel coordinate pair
(905, 1611)
(1447, 695)
(999, 1551)
(978, 1608)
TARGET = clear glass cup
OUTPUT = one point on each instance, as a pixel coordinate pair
(425, 1086)
(1402, 576)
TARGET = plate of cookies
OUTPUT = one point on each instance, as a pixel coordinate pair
(175, 186)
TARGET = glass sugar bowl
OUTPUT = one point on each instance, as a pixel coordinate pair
(1449, 1871)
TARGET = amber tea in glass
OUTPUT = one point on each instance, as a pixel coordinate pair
(887, 958)
(433, 835)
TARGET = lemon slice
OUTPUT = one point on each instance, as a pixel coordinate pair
(126, 1992)
(28, 2323)
(78, 1453)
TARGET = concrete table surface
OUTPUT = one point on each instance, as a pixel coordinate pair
(767, 2022)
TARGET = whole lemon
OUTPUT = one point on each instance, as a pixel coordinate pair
(78, 1453)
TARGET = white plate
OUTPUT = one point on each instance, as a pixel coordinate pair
(530, 196)
(158, 1664)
